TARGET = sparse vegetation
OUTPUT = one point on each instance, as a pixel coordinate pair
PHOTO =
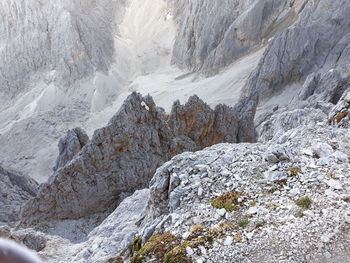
(159, 246)
(136, 245)
(228, 201)
(259, 224)
(340, 116)
(118, 259)
(304, 202)
(293, 171)
(300, 214)
(243, 223)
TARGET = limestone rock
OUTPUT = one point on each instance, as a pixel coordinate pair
(208, 42)
(203, 125)
(283, 121)
(339, 115)
(274, 220)
(70, 145)
(294, 57)
(71, 38)
(15, 190)
(117, 231)
(123, 156)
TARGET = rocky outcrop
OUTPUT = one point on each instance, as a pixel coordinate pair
(295, 62)
(15, 190)
(279, 123)
(201, 124)
(207, 42)
(123, 156)
(339, 116)
(70, 145)
(293, 199)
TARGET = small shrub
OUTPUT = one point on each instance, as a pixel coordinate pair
(259, 224)
(294, 171)
(197, 228)
(304, 202)
(340, 116)
(176, 258)
(228, 201)
(137, 259)
(300, 214)
(243, 223)
(136, 245)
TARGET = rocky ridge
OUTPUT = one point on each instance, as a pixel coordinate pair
(123, 156)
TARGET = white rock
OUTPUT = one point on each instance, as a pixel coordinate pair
(222, 212)
(189, 251)
(186, 235)
(334, 184)
(200, 191)
(253, 210)
(228, 241)
(322, 150)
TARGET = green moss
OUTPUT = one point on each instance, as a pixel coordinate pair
(304, 202)
(228, 201)
(157, 247)
(176, 258)
(136, 245)
(300, 214)
(243, 223)
(137, 259)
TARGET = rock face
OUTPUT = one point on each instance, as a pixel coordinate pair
(123, 156)
(295, 71)
(70, 145)
(65, 36)
(117, 231)
(201, 124)
(208, 42)
(15, 190)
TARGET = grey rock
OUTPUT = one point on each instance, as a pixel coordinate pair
(280, 122)
(70, 38)
(201, 124)
(207, 42)
(295, 54)
(123, 156)
(116, 232)
(309, 87)
(323, 221)
(339, 115)
(15, 190)
(70, 145)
